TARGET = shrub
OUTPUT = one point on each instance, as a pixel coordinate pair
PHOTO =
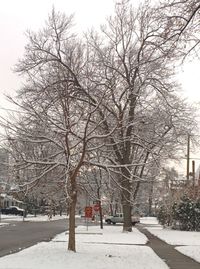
(187, 214)
(162, 215)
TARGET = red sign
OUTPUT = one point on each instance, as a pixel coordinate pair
(88, 212)
(96, 207)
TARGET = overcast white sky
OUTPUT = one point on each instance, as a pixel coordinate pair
(18, 16)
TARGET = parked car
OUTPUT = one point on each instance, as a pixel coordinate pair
(119, 218)
(12, 210)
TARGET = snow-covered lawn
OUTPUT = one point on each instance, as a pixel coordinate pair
(189, 242)
(191, 251)
(55, 256)
(30, 218)
(108, 248)
(109, 235)
(43, 218)
(3, 224)
(174, 237)
(149, 220)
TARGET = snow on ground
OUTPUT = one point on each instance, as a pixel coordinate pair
(109, 235)
(175, 237)
(191, 251)
(148, 220)
(189, 241)
(30, 217)
(108, 248)
(55, 256)
(3, 224)
(44, 218)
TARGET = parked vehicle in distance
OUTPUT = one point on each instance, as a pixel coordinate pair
(119, 218)
(12, 210)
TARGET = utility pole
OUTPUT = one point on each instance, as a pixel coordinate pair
(188, 158)
(193, 173)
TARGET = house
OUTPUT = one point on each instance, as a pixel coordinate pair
(4, 165)
(8, 200)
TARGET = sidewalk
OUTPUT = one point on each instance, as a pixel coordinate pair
(173, 258)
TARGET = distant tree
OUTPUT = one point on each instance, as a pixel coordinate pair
(172, 189)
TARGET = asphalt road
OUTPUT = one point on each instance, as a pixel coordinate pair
(19, 235)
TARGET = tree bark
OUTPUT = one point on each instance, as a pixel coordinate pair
(127, 227)
(126, 200)
(100, 215)
(150, 198)
(72, 211)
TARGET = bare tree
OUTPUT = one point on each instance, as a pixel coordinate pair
(131, 59)
(182, 17)
(56, 128)
(112, 92)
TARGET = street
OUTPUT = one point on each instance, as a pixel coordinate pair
(19, 235)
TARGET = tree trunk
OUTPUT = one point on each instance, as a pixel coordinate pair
(111, 209)
(126, 200)
(150, 199)
(100, 208)
(72, 211)
(100, 215)
(127, 208)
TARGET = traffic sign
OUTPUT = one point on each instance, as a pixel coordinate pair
(96, 207)
(88, 212)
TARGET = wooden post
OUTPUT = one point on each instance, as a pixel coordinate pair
(188, 158)
(193, 173)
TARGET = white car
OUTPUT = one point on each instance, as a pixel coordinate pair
(119, 218)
